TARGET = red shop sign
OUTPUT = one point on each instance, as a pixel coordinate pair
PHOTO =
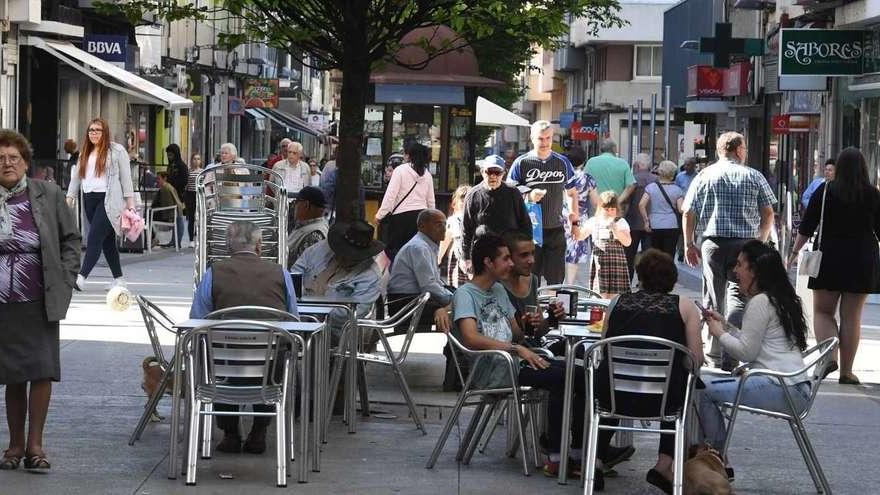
(705, 81)
(581, 132)
(781, 124)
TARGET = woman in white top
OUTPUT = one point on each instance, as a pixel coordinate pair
(314, 173)
(295, 172)
(104, 176)
(410, 191)
(452, 242)
(773, 335)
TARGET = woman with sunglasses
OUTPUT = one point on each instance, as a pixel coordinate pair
(104, 176)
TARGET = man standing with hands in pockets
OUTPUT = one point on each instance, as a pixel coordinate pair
(730, 203)
(552, 173)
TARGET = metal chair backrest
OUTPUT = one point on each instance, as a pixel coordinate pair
(153, 316)
(817, 359)
(263, 313)
(238, 349)
(639, 365)
(413, 312)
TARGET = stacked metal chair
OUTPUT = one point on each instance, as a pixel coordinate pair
(228, 193)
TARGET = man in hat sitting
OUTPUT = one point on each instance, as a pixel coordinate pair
(243, 279)
(342, 266)
(309, 224)
(493, 205)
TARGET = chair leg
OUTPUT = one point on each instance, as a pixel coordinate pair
(822, 486)
(207, 431)
(471, 428)
(589, 474)
(678, 468)
(363, 393)
(407, 396)
(471, 445)
(809, 461)
(520, 428)
(447, 428)
(335, 380)
(533, 430)
(281, 443)
(150, 407)
(496, 420)
(192, 443)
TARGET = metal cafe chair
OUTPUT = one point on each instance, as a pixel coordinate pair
(262, 313)
(817, 358)
(487, 408)
(153, 223)
(216, 352)
(639, 365)
(154, 318)
(409, 313)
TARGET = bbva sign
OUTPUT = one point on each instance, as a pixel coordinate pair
(106, 47)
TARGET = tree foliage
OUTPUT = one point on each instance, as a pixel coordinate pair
(356, 36)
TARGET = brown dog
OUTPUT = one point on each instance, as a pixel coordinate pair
(704, 472)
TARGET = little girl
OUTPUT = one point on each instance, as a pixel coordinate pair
(451, 244)
(610, 234)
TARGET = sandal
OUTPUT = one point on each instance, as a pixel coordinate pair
(849, 380)
(9, 461)
(38, 462)
(831, 368)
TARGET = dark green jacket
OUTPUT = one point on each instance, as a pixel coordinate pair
(60, 245)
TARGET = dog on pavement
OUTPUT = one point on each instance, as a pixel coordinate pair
(704, 472)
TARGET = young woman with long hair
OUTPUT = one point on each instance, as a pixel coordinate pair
(451, 247)
(850, 268)
(773, 335)
(104, 176)
(189, 195)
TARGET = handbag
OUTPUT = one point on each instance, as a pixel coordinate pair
(384, 224)
(669, 201)
(811, 261)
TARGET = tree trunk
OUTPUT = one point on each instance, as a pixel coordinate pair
(355, 89)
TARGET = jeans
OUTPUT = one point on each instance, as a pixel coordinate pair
(189, 199)
(101, 237)
(550, 257)
(665, 240)
(719, 258)
(760, 391)
(552, 379)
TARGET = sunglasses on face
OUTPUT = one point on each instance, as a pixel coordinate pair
(494, 171)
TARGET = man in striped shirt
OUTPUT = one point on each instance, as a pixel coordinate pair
(549, 174)
(729, 203)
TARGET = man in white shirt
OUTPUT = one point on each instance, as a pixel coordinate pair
(295, 172)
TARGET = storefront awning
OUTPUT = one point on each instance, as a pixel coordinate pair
(490, 114)
(291, 121)
(88, 64)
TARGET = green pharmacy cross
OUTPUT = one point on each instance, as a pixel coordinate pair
(723, 45)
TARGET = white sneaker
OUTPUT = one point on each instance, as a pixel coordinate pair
(192, 244)
(118, 282)
(80, 283)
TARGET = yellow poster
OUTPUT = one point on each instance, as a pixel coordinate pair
(183, 138)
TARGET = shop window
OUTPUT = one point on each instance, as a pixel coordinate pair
(372, 161)
(420, 123)
(459, 170)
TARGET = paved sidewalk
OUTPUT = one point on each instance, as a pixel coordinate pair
(99, 399)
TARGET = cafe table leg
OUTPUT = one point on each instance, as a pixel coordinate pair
(319, 377)
(304, 408)
(566, 412)
(175, 408)
(351, 371)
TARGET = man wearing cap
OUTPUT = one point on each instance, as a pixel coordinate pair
(310, 226)
(551, 172)
(493, 205)
(342, 266)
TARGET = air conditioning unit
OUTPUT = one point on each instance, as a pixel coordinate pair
(569, 59)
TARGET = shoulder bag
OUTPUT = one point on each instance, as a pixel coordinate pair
(384, 224)
(669, 202)
(811, 261)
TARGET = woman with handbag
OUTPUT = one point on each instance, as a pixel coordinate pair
(410, 191)
(846, 212)
(104, 176)
(660, 208)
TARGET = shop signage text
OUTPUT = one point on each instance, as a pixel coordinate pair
(106, 47)
(788, 123)
(705, 81)
(261, 93)
(821, 52)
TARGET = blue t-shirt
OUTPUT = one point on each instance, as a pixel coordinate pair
(492, 310)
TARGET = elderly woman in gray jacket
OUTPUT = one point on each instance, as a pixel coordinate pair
(104, 176)
(39, 259)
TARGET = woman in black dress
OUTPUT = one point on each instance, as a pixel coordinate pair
(850, 268)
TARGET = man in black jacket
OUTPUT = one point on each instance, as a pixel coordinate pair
(493, 206)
